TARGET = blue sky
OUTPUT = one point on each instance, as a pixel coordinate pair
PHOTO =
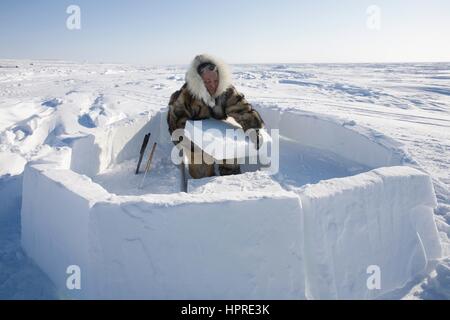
(245, 31)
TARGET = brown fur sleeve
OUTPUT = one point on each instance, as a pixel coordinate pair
(237, 107)
(178, 114)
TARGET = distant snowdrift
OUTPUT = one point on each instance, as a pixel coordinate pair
(257, 240)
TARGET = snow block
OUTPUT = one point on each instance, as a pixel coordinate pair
(383, 218)
(156, 249)
(55, 217)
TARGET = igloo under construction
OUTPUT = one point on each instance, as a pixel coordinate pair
(345, 203)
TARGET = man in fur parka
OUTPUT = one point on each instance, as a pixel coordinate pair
(209, 93)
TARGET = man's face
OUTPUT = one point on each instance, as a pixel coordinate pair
(211, 81)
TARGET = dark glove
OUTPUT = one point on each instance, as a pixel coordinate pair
(256, 138)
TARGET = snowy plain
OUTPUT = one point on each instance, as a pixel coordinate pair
(45, 104)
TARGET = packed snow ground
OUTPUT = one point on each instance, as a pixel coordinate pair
(44, 104)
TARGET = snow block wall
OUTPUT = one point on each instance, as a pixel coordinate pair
(174, 246)
(382, 219)
(237, 237)
(95, 152)
(345, 139)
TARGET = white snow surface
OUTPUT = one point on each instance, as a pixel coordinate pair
(52, 112)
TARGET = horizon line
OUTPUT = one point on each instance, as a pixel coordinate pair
(230, 63)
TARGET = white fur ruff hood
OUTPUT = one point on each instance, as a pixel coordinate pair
(195, 83)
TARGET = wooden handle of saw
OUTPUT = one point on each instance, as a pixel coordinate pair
(149, 162)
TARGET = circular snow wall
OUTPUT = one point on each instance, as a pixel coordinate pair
(311, 148)
(251, 236)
